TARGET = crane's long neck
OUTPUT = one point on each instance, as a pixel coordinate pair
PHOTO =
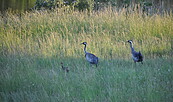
(85, 49)
(131, 46)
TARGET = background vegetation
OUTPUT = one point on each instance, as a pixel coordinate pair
(23, 5)
(33, 44)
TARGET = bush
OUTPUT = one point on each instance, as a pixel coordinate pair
(74, 4)
(89, 5)
(85, 5)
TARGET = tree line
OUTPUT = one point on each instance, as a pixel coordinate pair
(98, 4)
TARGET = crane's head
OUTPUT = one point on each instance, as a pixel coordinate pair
(84, 43)
(130, 41)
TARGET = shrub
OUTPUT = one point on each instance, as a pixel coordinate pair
(73, 4)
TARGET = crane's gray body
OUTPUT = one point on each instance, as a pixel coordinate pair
(91, 58)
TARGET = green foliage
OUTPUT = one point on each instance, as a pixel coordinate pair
(89, 5)
(48, 4)
(85, 5)
(81, 5)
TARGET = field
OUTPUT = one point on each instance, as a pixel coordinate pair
(33, 44)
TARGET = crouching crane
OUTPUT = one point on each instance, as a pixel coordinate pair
(136, 56)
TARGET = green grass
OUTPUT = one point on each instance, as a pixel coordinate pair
(41, 79)
(33, 45)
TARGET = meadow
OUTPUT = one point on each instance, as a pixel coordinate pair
(33, 44)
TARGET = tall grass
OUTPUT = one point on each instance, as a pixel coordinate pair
(33, 44)
(57, 33)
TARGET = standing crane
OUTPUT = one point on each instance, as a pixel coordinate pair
(91, 58)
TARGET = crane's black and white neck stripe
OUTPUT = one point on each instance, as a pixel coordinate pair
(91, 58)
(85, 43)
(136, 56)
(131, 45)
